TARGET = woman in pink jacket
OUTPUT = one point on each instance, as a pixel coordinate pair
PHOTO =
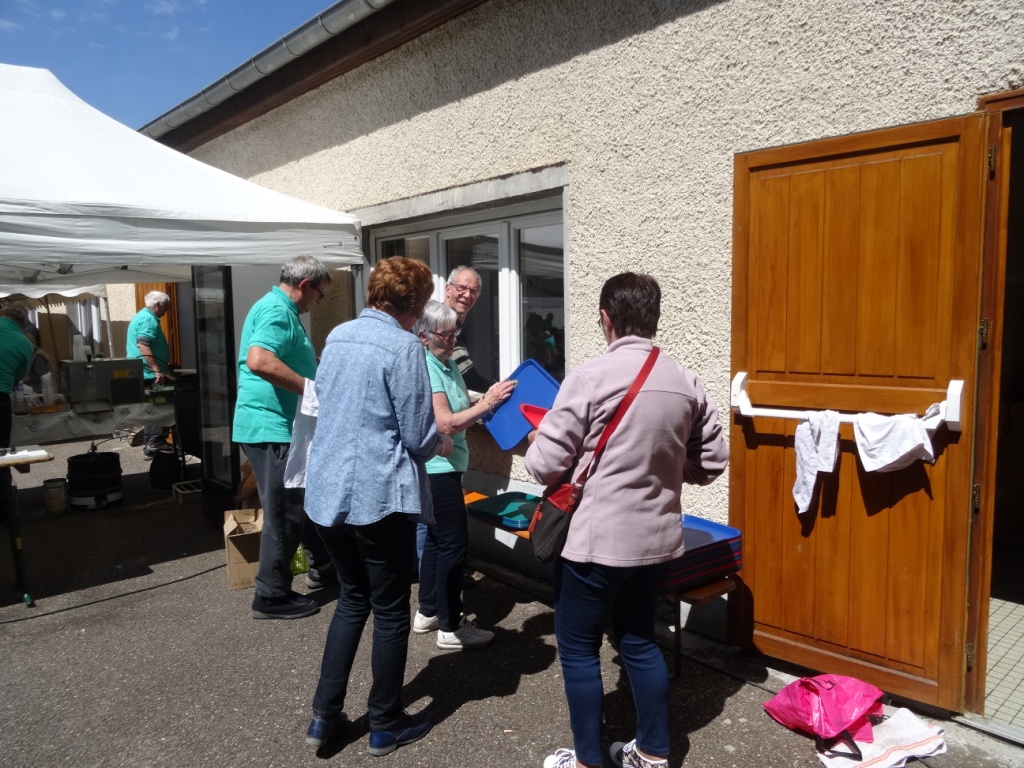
(628, 521)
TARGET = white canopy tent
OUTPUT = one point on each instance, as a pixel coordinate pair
(50, 292)
(86, 200)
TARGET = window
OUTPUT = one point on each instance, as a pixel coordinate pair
(520, 313)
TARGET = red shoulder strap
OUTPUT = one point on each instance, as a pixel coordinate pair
(638, 382)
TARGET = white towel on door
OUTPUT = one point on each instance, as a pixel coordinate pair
(888, 443)
(302, 437)
(817, 446)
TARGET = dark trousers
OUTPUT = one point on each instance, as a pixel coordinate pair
(5, 442)
(445, 552)
(285, 524)
(586, 596)
(375, 565)
(155, 436)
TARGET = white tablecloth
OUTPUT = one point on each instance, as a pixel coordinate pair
(68, 425)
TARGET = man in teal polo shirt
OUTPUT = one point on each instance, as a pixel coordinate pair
(146, 341)
(275, 359)
(15, 355)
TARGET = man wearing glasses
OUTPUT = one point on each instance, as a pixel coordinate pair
(275, 359)
(461, 293)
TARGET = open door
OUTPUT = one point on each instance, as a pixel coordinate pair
(856, 281)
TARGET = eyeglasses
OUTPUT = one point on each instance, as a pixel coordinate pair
(315, 288)
(446, 335)
(461, 289)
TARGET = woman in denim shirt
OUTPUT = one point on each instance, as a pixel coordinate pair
(367, 488)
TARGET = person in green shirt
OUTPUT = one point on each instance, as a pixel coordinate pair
(447, 541)
(275, 359)
(15, 355)
(146, 341)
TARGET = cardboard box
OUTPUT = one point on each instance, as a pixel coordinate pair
(242, 529)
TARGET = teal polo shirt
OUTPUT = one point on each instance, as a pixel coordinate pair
(445, 377)
(15, 354)
(263, 412)
(146, 325)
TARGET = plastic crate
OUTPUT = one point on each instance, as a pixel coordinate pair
(507, 425)
(713, 551)
(511, 510)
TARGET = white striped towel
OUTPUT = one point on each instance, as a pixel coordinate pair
(902, 736)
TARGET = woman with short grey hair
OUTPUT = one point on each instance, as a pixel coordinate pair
(447, 543)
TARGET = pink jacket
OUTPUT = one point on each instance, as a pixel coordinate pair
(629, 514)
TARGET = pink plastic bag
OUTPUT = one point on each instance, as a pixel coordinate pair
(832, 708)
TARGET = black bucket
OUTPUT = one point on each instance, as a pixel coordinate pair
(94, 479)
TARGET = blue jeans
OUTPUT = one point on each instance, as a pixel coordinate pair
(421, 543)
(586, 595)
(445, 552)
(285, 524)
(375, 568)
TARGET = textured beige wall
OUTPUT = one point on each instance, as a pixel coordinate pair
(646, 103)
(122, 310)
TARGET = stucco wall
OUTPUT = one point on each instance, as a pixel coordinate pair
(646, 103)
(122, 309)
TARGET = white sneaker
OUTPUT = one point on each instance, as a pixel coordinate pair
(625, 754)
(421, 624)
(563, 758)
(468, 635)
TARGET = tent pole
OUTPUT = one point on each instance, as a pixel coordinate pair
(53, 336)
(110, 332)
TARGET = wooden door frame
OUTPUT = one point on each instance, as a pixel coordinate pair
(989, 368)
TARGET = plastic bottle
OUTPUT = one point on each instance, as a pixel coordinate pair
(19, 404)
(299, 562)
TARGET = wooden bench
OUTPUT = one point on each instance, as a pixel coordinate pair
(698, 595)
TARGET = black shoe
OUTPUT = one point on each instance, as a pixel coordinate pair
(317, 579)
(295, 606)
(323, 727)
(409, 730)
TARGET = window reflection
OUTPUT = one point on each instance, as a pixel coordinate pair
(216, 370)
(480, 331)
(541, 264)
(417, 248)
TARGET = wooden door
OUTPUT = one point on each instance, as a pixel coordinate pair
(856, 288)
(169, 322)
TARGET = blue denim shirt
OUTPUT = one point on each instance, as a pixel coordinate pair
(375, 426)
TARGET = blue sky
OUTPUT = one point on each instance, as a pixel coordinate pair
(135, 59)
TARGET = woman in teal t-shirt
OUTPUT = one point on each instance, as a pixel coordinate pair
(447, 544)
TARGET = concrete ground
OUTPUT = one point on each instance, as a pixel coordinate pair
(137, 654)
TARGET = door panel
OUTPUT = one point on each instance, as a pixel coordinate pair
(856, 288)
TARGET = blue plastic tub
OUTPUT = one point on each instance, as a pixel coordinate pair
(511, 510)
(713, 551)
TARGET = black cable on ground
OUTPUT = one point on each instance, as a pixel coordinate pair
(113, 597)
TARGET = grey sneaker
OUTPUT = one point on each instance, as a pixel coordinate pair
(468, 635)
(423, 625)
(625, 754)
(317, 579)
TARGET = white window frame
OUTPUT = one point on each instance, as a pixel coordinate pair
(506, 222)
